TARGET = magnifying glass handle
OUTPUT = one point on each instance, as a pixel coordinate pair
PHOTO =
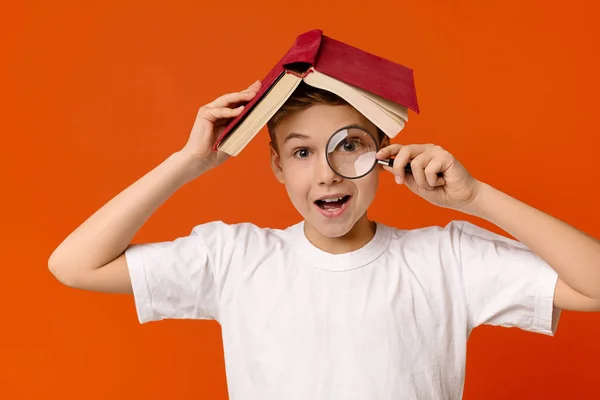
(390, 163)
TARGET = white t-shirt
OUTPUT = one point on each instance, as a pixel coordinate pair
(387, 321)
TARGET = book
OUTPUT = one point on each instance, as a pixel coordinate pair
(380, 89)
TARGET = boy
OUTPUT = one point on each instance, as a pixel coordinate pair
(337, 306)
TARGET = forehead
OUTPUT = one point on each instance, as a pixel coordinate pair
(320, 121)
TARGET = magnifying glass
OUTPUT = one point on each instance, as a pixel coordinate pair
(351, 153)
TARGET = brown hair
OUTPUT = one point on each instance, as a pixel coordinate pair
(303, 97)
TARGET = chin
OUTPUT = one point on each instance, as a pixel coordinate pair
(331, 228)
(333, 231)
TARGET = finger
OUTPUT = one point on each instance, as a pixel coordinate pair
(409, 181)
(232, 98)
(431, 172)
(254, 87)
(214, 114)
(404, 156)
(418, 168)
(394, 149)
(388, 151)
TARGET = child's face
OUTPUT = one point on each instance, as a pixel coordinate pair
(300, 164)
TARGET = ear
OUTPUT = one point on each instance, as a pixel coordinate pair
(385, 141)
(276, 163)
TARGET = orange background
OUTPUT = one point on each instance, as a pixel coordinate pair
(96, 95)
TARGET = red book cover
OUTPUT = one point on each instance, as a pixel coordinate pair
(344, 62)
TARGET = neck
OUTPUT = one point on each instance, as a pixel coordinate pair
(361, 233)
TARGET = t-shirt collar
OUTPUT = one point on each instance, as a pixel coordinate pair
(345, 261)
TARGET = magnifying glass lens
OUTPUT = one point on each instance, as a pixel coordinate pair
(351, 152)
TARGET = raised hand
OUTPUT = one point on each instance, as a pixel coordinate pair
(210, 122)
(436, 175)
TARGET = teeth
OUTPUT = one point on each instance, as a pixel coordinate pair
(333, 199)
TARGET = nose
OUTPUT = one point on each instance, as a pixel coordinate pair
(324, 173)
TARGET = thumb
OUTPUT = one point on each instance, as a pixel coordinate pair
(222, 157)
(409, 182)
(389, 169)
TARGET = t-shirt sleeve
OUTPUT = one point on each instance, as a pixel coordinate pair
(179, 279)
(505, 283)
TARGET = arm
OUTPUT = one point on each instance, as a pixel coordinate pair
(92, 257)
(574, 255)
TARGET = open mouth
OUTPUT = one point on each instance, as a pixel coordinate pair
(332, 204)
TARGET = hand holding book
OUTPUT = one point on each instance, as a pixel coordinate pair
(210, 122)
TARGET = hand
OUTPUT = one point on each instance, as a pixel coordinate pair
(436, 175)
(210, 122)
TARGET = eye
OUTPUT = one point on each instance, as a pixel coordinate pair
(301, 153)
(349, 146)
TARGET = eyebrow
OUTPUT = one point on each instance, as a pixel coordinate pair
(295, 135)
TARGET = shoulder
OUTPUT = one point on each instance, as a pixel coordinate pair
(240, 233)
(457, 237)
(426, 234)
(455, 229)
